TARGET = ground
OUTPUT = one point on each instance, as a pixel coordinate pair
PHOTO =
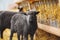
(39, 35)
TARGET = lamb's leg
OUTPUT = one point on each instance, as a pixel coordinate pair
(31, 36)
(18, 35)
(11, 35)
(25, 37)
(22, 37)
(12, 29)
(2, 32)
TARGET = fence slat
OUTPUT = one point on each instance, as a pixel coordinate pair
(49, 29)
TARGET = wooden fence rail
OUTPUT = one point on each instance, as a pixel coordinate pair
(49, 29)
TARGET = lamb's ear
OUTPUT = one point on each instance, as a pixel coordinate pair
(37, 12)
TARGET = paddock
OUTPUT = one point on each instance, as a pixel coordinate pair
(49, 29)
(42, 33)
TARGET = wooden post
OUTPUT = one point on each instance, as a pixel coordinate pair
(59, 2)
(29, 5)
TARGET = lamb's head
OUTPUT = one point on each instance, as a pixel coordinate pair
(32, 15)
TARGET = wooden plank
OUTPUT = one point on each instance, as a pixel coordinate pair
(49, 29)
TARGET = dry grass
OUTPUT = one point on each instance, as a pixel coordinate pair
(39, 35)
